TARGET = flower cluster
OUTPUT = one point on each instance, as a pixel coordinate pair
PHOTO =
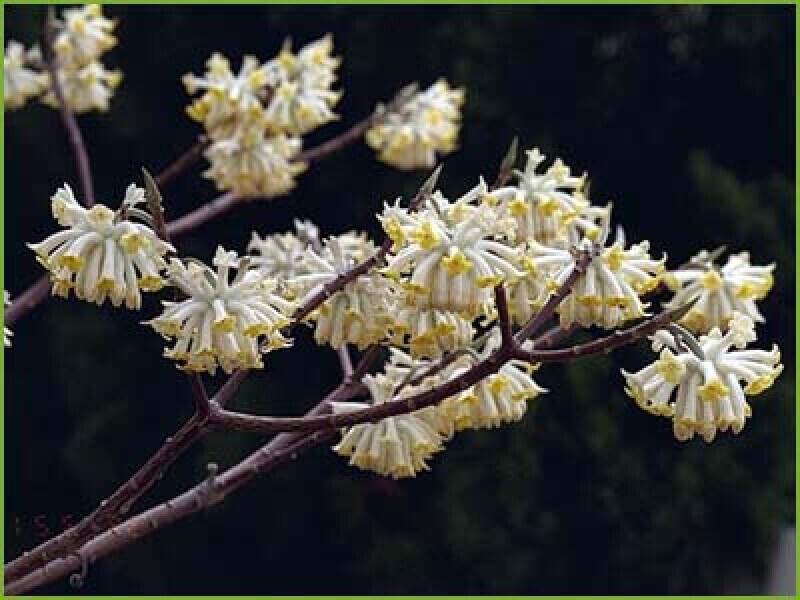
(400, 446)
(20, 79)
(705, 381)
(102, 254)
(83, 36)
(359, 313)
(411, 136)
(254, 117)
(718, 292)
(221, 323)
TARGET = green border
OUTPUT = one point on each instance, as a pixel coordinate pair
(418, 2)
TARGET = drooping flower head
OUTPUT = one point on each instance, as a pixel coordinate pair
(496, 400)
(229, 100)
(222, 321)
(357, 314)
(397, 446)
(84, 34)
(424, 126)
(102, 254)
(302, 98)
(20, 80)
(551, 207)
(253, 164)
(719, 291)
(448, 256)
(702, 389)
(86, 88)
(607, 294)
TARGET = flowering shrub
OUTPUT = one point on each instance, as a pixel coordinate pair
(457, 293)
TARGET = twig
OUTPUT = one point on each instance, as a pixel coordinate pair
(539, 319)
(605, 344)
(184, 161)
(345, 361)
(67, 116)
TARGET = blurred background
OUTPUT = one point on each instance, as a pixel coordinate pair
(683, 116)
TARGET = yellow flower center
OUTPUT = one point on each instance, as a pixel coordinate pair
(456, 263)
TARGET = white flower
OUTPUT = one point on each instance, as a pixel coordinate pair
(252, 164)
(495, 400)
(229, 100)
(719, 291)
(451, 253)
(360, 312)
(551, 207)
(708, 391)
(431, 332)
(301, 96)
(279, 255)
(7, 333)
(19, 81)
(102, 254)
(83, 35)
(427, 124)
(397, 446)
(86, 88)
(221, 321)
(607, 294)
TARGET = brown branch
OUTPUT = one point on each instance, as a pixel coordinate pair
(281, 449)
(27, 300)
(539, 319)
(106, 514)
(67, 116)
(605, 344)
(344, 139)
(184, 161)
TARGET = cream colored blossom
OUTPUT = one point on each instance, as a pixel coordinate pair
(498, 399)
(222, 321)
(448, 256)
(253, 164)
(279, 255)
(397, 446)
(229, 100)
(84, 34)
(551, 207)
(430, 332)
(302, 98)
(705, 394)
(20, 81)
(7, 333)
(424, 126)
(86, 88)
(357, 314)
(607, 294)
(101, 254)
(719, 291)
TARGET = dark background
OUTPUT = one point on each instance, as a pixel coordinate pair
(684, 117)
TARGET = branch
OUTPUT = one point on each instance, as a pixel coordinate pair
(548, 310)
(342, 140)
(357, 131)
(281, 449)
(67, 116)
(184, 161)
(106, 514)
(605, 344)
